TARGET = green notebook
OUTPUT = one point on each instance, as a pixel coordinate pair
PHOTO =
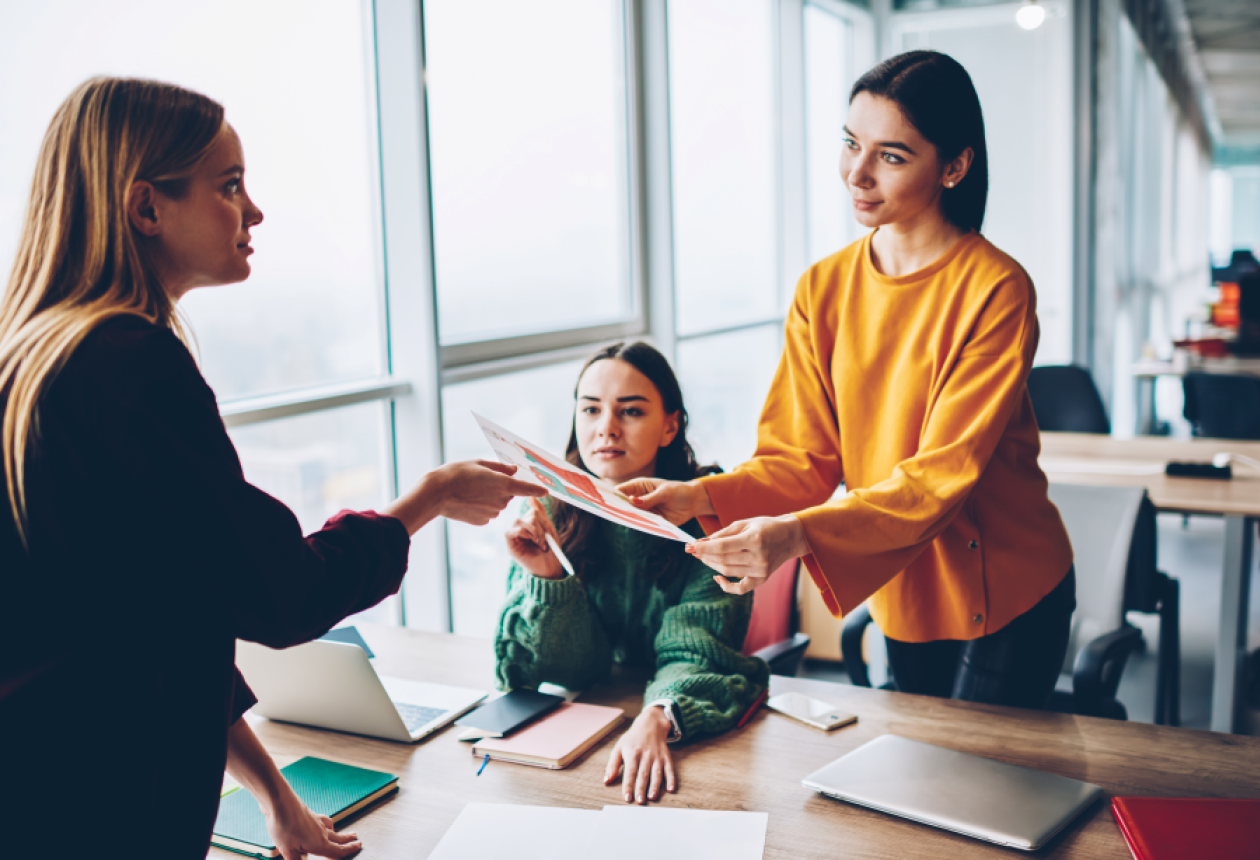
(326, 787)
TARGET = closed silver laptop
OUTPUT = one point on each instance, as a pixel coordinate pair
(333, 685)
(1003, 803)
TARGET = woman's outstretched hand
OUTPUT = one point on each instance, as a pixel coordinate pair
(471, 491)
(677, 501)
(527, 543)
(644, 756)
(751, 550)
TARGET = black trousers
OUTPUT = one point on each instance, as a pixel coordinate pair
(1015, 666)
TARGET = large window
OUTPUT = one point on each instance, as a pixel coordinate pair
(463, 201)
(528, 149)
(724, 125)
(831, 67)
(538, 405)
(533, 231)
(310, 315)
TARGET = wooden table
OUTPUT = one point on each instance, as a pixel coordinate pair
(1082, 458)
(759, 768)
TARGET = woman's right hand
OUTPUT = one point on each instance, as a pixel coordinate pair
(527, 543)
(477, 491)
(471, 491)
(677, 501)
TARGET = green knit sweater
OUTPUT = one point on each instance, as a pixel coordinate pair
(687, 629)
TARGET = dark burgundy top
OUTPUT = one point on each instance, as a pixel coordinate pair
(149, 556)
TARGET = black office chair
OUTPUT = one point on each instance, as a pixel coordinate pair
(1108, 586)
(1221, 406)
(1064, 399)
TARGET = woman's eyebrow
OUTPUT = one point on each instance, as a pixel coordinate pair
(887, 144)
(235, 168)
(627, 399)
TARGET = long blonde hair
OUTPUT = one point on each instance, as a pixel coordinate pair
(79, 261)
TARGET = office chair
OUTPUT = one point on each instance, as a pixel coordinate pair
(1064, 399)
(1112, 530)
(772, 631)
(1221, 406)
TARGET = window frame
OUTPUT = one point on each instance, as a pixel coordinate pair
(417, 366)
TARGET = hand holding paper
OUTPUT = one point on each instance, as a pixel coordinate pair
(677, 501)
(573, 486)
(532, 543)
(751, 550)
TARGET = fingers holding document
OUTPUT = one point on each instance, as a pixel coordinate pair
(471, 491)
(750, 550)
(677, 501)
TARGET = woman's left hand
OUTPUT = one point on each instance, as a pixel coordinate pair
(751, 550)
(644, 755)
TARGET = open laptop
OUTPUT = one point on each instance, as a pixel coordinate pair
(333, 685)
(1003, 803)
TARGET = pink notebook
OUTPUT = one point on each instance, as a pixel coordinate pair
(557, 739)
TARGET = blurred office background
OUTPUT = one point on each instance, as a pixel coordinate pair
(464, 199)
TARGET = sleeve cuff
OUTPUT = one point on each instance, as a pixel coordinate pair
(243, 697)
(551, 592)
(671, 711)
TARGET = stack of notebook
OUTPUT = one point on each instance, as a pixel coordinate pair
(528, 727)
(326, 787)
(557, 739)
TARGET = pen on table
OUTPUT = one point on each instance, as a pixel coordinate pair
(485, 761)
(752, 709)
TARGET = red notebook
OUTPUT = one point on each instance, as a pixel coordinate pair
(1177, 828)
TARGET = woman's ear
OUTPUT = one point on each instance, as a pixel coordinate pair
(142, 208)
(668, 435)
(957, 169)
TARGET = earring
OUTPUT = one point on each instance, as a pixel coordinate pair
(949, 184)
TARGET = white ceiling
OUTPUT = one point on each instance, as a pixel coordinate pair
(1227, 36)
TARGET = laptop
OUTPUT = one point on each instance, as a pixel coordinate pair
(333, 685)
(1013, 806)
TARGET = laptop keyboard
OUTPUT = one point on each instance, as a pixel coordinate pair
(414, 716)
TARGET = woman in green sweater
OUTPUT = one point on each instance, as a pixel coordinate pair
(636, 599)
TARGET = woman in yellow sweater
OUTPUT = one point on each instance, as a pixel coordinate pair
(903, 378)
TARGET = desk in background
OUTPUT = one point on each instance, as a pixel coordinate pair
(1146, 372)
(759, 768)
(1081, 458)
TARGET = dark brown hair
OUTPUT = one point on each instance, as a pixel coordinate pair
(675, 462)
(936, 95)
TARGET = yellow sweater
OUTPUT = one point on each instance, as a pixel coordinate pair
(910, 391)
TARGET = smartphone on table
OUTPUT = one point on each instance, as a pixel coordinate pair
(811, 711)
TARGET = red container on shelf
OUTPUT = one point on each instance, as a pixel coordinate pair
(1225, 313)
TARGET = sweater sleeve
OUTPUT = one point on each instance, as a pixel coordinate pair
(698, 659)
(243, 697)
(860, 542)
(549, 632)
(230, 551)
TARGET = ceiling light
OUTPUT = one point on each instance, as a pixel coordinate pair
(1030, 15)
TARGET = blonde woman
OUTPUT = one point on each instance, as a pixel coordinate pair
(135, 553)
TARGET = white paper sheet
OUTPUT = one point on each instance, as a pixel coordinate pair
(568, 484)
(638, 832)
(500, 831)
